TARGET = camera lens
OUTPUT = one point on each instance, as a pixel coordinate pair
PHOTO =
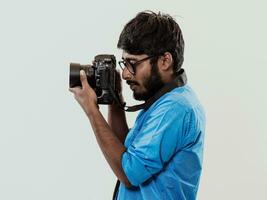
(74, 79)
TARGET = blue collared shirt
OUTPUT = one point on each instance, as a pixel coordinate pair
(165, 148)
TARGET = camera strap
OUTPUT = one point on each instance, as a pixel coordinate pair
(179, 81)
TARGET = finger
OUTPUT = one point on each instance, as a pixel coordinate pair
(83, 79)
(118, 81)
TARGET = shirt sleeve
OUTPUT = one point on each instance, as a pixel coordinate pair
(155, 143)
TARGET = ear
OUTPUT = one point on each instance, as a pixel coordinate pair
(165, 62)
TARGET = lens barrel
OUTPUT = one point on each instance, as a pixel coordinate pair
(74, 78)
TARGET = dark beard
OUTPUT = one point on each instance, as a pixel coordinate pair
(152, 84)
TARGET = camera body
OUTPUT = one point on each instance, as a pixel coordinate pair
(100, 76)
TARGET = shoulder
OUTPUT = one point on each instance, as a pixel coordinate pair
(183, 99)
(180, 105)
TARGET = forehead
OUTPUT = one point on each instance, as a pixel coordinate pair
(128, 56)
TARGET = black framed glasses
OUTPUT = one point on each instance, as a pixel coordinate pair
(125, 63)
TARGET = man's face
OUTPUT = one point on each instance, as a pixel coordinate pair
(146, 80)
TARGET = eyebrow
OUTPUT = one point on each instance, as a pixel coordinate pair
(133, 59)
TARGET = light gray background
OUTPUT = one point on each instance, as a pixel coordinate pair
(47, 147)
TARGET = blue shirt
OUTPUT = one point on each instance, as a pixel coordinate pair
(165, 148)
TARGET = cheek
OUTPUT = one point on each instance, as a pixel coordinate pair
(143, 75)
(143, 83)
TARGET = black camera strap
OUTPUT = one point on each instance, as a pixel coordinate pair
(179, 81)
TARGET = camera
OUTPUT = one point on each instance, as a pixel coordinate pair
(100, 76)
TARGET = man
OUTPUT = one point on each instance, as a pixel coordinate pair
(160, 157)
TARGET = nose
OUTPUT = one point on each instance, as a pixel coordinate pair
(126, 75)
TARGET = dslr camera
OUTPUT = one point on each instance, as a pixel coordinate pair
(100, 75)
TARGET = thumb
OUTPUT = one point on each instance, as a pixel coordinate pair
(83, 79)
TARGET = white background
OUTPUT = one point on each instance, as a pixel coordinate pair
(47, 147)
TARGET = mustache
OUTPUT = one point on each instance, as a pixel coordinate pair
(132, 82)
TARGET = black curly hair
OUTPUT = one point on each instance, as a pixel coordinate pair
(153, 34)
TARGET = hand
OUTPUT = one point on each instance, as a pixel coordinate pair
(85, 96)
(118, 84)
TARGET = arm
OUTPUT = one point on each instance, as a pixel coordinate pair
(117, 122)
(116, 116)
(161, 135)
(109, 143)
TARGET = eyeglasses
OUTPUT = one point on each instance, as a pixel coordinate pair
(132, 66)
